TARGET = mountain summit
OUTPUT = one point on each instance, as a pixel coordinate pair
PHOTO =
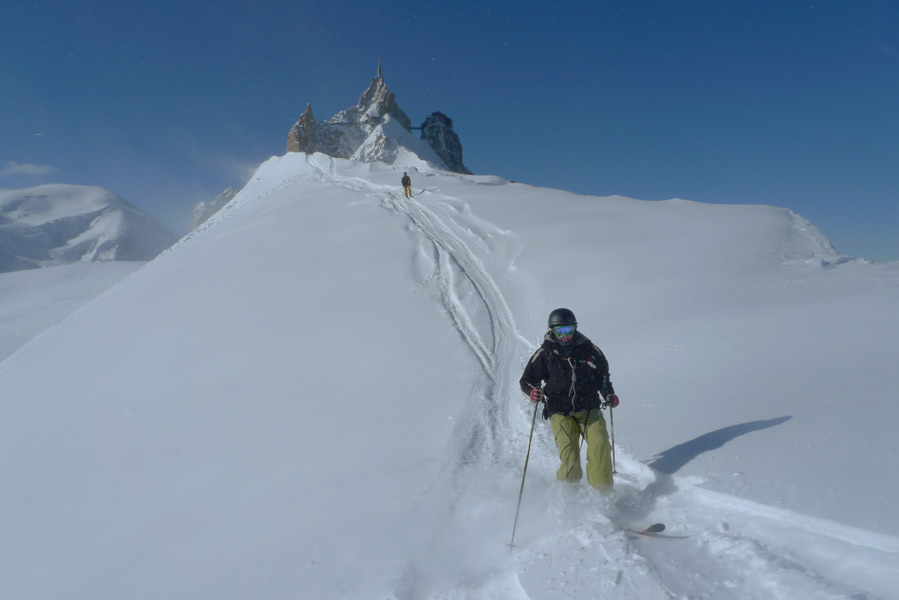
(375, 130)
(58, 224)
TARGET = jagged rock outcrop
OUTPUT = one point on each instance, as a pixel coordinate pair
(437, 130)
(375, 130)
(349, 129)
(376, 102)
(332, 138)
(302, 134)
(204, 210)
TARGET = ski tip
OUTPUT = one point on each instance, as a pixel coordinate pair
(652, 529)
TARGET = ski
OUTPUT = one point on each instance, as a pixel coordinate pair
(654, 528)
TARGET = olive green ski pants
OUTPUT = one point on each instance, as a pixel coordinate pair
(567, 430)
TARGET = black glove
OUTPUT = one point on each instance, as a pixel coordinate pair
(611, 401)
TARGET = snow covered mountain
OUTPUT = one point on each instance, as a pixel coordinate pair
(375, 130)
(203, 210)
(314, 395)
(61, 224)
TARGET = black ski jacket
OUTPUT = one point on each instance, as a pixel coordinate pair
(407, 181)
(573, 376)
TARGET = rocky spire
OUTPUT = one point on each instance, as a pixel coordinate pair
(437, 130)
(375, 130)
(374, 103)
(302, 131)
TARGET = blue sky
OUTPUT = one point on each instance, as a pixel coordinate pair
(168, 103)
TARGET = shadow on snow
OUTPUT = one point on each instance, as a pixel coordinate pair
(672, 460)
(675, 458)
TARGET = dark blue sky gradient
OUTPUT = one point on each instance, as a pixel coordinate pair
(167, 103)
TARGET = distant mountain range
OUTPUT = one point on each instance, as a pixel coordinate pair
(60, 224)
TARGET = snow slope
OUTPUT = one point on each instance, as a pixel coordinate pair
(34, 300)
(315, 395)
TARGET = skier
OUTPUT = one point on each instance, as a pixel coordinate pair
(407, 185)
(571, 376)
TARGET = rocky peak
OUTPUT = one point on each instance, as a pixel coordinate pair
(307, 118)
(203, 210)
(374, 103)
(437, 130)
(302, 132)
(374, 130)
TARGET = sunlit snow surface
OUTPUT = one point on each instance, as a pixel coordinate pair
(315, 395)
(33, 300)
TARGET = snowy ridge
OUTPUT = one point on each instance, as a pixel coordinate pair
(470, 297)
(345, 393)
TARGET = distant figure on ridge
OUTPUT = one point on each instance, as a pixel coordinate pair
(407, 185)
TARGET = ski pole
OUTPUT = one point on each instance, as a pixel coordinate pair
(612, 425)
(523, 475)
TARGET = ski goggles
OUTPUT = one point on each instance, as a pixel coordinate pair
(563, 330)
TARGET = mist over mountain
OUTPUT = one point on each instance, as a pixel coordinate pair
(60, 224)
(203, 210)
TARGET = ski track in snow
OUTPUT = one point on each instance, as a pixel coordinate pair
(731, 550)
(456, 271)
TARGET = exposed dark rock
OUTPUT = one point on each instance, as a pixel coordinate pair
(437, 130)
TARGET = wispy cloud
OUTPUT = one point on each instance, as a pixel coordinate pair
(13, 168)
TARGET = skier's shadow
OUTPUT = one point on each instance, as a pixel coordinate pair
(665, 464)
